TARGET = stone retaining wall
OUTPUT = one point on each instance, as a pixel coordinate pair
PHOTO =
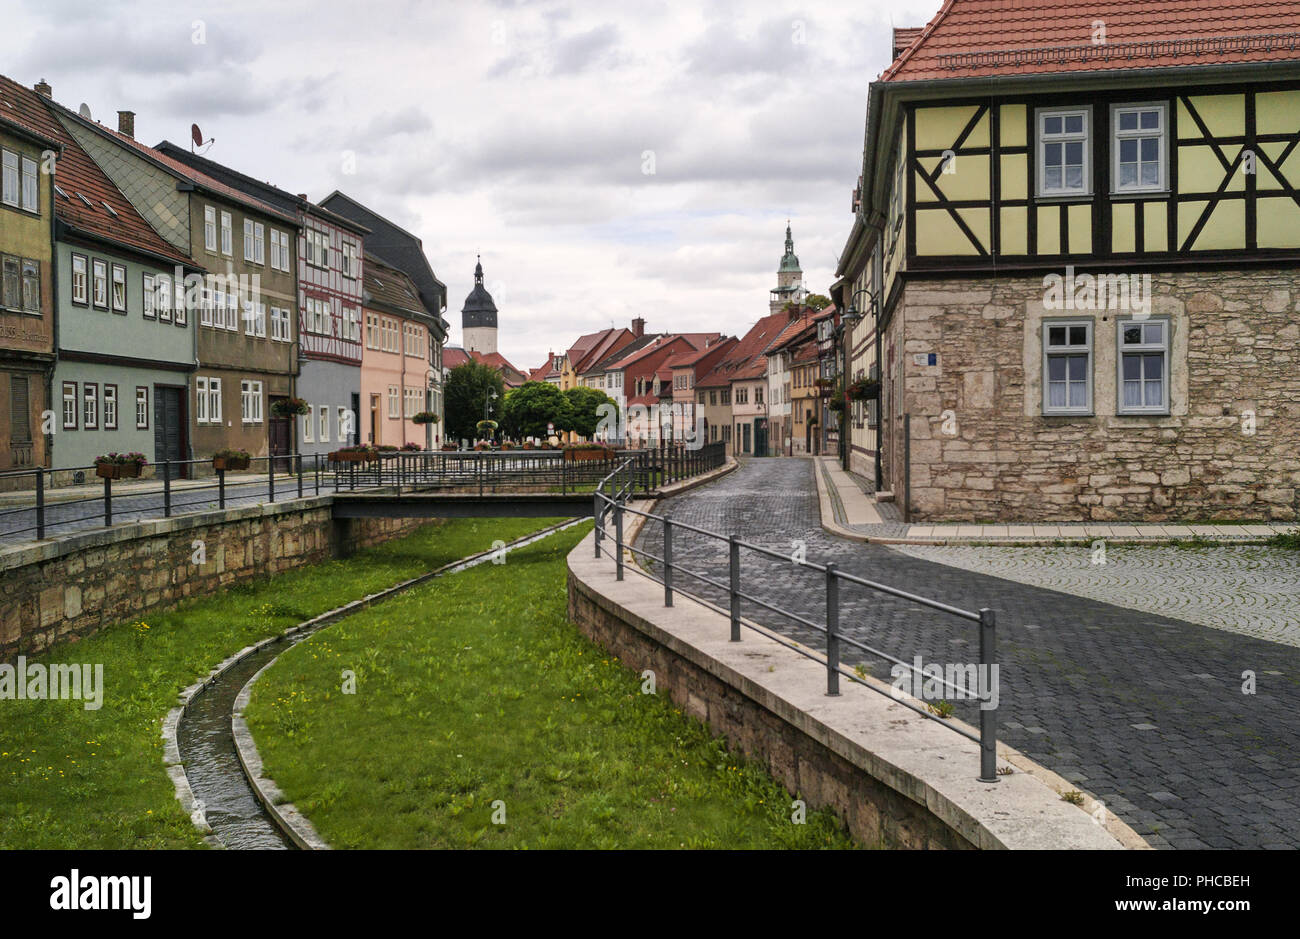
(76, 585)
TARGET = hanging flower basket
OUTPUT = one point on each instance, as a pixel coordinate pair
(864, 389)
(290, 407)
(425, 417)
(485, 428)
(231, 459)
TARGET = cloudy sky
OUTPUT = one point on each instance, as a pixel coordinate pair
(607, 162)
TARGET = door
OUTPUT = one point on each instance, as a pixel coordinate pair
(760, 437)
(279, 436)
(355, 434)
(375, 425)
(744, 438)
(169, 426)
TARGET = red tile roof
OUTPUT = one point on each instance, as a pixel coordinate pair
(970, 38)
(745, 360)
(110, 214)
(455, 356)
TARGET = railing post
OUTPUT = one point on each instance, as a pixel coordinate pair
(733, 544)
(270, 475)
(108, 502)
(907, 468)
(618, 541)
(401, 460)
(832, 630)
(221, 489)
(595, 515)
(668, 563)
(564, 477)
(298, 457)
(988, 716)
(40, 503)
(167, 488)
(316, 469)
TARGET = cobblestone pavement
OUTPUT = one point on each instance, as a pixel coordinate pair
(1143, 711)
(1251, 591)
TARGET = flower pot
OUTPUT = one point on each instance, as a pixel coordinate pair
(230, 462)
(108, 470)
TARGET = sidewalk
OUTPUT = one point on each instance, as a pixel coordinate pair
(850, 511)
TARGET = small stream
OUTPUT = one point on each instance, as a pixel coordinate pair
(207, 745)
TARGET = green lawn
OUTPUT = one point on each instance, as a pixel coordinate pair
(475, 693)
(72, 778)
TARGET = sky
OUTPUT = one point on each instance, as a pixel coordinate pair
(608, 161)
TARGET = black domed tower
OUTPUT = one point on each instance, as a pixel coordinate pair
(479, 317)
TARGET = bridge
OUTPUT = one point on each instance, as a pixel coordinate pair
(39, 503)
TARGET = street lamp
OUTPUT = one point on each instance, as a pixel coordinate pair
(853, 313)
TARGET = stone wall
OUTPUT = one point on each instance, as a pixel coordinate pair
(76, 585)
(1235, 349)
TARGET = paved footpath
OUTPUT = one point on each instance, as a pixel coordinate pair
(1142, 711)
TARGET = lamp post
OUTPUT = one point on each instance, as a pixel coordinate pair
(853, 313)
(487, 404)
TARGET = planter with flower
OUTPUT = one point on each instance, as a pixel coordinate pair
(584, 452)
(120, 465)
(358, 454)
(864, 389)
(425, 417)
(485, 429)
(231, 458)
(412, 447)
(290, 407)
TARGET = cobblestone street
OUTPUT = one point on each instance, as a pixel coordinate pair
(1142, 710)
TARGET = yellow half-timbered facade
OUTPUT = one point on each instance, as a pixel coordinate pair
(1077, 270)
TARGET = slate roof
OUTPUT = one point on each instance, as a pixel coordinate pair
(984, 38)
(110, 216)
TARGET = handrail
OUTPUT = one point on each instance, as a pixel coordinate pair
(986, 670)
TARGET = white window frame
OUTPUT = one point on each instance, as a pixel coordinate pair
(116, 277)
(248, 239)
(227, 235)
(342, 419)
(80, 289)
(71, 399)
(323, 426)
(259, 243)
(98, 279)
(250, 402)
(214, 401)
(110, 407)
(307, 427)
(141, 407)
(11, 185)
(1162, 136)
(210, 228)
(394, 403)
(31, 187)
(90, 406)
(148, 289)
(1051, 351)
(1142, 348)
(1063, 138)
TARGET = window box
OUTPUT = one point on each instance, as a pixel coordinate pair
(229, 459)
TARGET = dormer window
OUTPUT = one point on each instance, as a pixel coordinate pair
(1064, 168)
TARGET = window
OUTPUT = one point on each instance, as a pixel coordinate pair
(248, 239)
(13, 283)
(119, 288)
(280, 250)
(149, 286)
(1063, 165)
(32, 286)
(90, 406)
(110, 407)
(411, 402)
(179, 306)
(10, 187)
(250, 402)
(141, 407)
(69, 405)
(393, 402)
(227, 235)
(280, 327)
(323, 423)
(351, 263)
(307, 427)
(372, 331)
(726, 395)
(31, 193)
(1139, 148)
(210, 227)
(79, 295)
(1143, 366)
(100, 281)
(345, 424)
(1067, 367)
(255, 318)
(259, 243)
(207, 400)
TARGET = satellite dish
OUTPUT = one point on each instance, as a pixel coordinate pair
(196, 135)
(84, 111)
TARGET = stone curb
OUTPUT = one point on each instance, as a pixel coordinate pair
(1024, 811)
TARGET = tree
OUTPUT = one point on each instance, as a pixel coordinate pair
(468, 387)
(531, 407)
(816, 301)
(584, 414)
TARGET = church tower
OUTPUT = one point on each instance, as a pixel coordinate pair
(478, 317)
(789, 277)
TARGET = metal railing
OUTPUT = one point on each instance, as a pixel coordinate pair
(178, 487)
(610, 499)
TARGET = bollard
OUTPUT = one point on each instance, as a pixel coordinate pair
(734, 564)
(988, 717)
(40, 503)
(167, 488)
(668, 563)
(832, 631)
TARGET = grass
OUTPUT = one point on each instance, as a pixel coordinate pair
(1289, 541)
(72, 778)
(475, 695)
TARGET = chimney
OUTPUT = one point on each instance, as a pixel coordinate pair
(126, 123)
(638, 327)
(42, 87)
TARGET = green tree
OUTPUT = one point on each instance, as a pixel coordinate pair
(468, 387)
(533, 405)
(584, 404)
(814, 301)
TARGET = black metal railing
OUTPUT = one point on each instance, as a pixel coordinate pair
(610, 499)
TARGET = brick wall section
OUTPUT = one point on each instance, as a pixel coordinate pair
(875, 814)
(1235, 347)
(77, 585)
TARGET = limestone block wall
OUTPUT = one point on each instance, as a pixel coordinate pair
(982, 450)
(76, 585)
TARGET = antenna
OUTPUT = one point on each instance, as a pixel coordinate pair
(84, 111)
(196, 138)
